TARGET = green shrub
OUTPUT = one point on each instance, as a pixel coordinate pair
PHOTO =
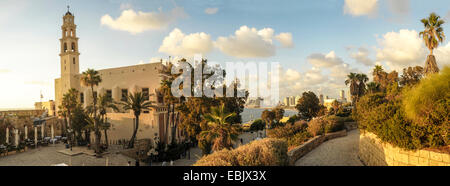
(257, 125)
(384, 115)
(333, 124)
(298, 139)
(317, 126)
(428, 103)
(265, 152)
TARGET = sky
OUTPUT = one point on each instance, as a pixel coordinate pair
(317, 43)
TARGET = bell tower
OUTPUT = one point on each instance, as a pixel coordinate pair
(69, 54)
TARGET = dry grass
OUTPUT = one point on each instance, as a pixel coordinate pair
(265, 152)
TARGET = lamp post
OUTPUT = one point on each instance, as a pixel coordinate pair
(70, 138)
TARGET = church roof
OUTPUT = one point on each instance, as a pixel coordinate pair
(68, 13)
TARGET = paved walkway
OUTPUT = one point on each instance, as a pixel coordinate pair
(337, 152)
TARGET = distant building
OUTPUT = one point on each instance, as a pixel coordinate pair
(297, 98)
(292, 101)
(342, 97)
(286, 101)
(49, 106)
(321, 99)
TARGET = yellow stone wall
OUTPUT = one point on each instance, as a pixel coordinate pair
(374, 152)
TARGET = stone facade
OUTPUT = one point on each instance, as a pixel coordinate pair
(374, 152)
(116, 83)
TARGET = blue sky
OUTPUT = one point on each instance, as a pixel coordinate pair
(326, 38)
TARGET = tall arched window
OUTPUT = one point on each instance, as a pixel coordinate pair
(73, 46)
(65, 47)
(74, 61)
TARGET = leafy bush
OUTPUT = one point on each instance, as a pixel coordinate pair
(334, 124)
(428, 102)
(384, 115)
(265, 152)
(317, 126)
(325, 124)
(257, 125)
(298, 139)
(287, 131)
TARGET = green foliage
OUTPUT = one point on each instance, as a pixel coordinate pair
(294, 134)
(384, 114)
(308, 105)
(265, 152)
(428, 102)
(257, 125)
(325, 124)
(293, 119)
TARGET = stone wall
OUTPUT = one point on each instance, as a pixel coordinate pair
(374, 152)
(298, 152)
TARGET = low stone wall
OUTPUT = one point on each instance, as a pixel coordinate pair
(374, 152)
(298, 152)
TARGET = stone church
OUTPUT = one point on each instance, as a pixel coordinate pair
(116, 83)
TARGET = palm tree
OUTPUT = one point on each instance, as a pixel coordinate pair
(137, 103)
(104, 103)
(91, 78)
(69, 103)
(354, 89)
(169, 99)
(221, 133)
(378, 74)
(432, 35)
(373, 87)
(362, 79)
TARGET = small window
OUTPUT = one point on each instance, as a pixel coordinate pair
(81, 97)
(109, 94)
(145, 93)
(124, 94)
(74, 61)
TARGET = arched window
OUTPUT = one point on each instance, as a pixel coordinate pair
(74, 61)
(65, 47)
(73, 46)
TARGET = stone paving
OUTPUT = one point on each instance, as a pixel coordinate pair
(337, 152)
(48, 156)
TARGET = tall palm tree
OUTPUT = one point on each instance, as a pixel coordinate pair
(432, 35)
(362, 79)
(69, 103)
(352, 79)
(221, 133)
(104, 103)
(91, 78)
(169, 99)
(137, 103)
(378, 74)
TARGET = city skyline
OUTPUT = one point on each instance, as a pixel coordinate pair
(316, 59)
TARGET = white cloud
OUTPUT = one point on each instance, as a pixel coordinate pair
(362, 56)
(137, 22)
(442, 54)
(361, 7)
(401, 49)
(125, 6)
(211, 10)
(324, 60)
(4, 71)
(179, 44)
(250, 42)
(399, 7)
(285, 39)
